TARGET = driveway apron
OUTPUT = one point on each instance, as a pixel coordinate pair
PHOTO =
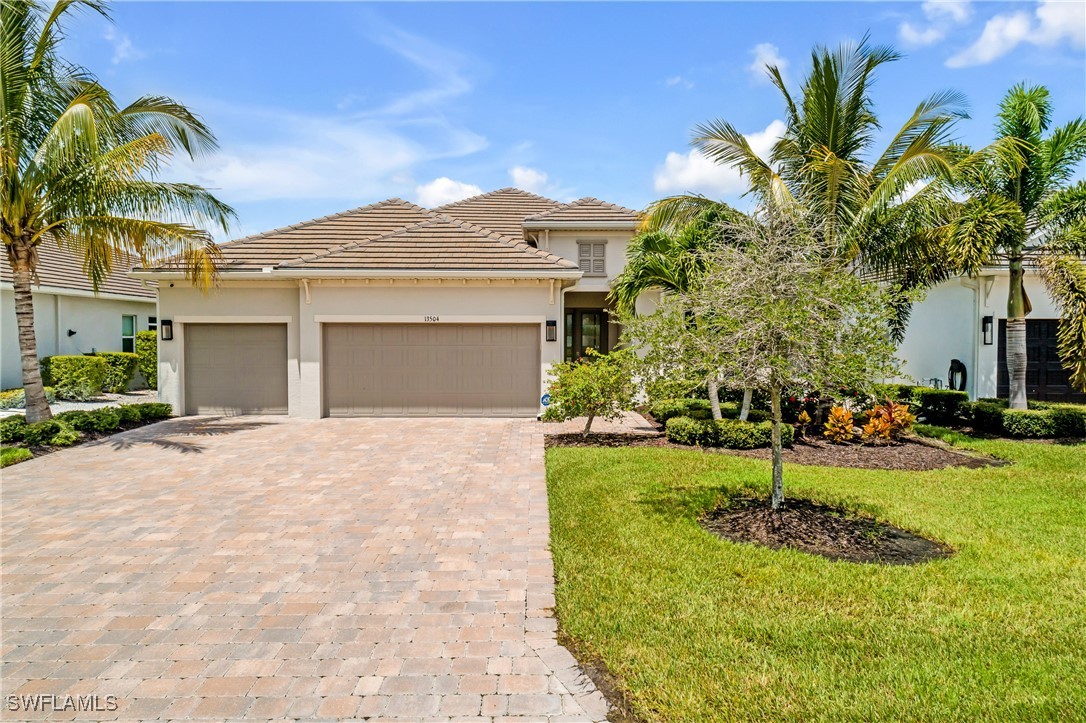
(266, 568)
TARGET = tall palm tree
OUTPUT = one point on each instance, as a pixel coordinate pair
(82, 172)
(1023, 210)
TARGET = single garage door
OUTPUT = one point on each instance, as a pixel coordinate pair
(1046, 378)
(235, 369)
(431, 370)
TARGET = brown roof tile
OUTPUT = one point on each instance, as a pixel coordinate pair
(587, 209)
(63, 269)
(440, 243)
(503, 210)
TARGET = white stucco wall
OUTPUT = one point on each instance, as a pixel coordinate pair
(96, 321)
(564, 243)
(947, 325)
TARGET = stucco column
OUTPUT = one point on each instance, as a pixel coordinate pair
(305, 395)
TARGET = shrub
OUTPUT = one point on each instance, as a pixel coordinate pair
(664, 410)
(1068, 420)
(838, 427)
(600, 385)
(147, 351)
(987, 415)
(128, 414)
(1028, 423)
(51, 432)
(730, 433)
(152, 411)
(895, 420)
(12, 429)
(94, 420)
(120, 369)
(13, 455)
(940, 406)
(75, 377)
(698, 433)
(16, 398)
(877, 429)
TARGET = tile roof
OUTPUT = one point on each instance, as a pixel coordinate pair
(273, 248)
(503, 210)
(588, 209)
(439, 243)
(63, 269)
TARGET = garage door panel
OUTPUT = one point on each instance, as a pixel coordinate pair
(235, 368)
(431, 370)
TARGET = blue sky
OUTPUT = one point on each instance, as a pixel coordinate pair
(320, 107)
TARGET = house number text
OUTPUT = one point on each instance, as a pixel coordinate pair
(431, 318)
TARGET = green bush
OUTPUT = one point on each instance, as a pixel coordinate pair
(693, 432)
(987, 415)
(78, 378)
(152, 411)
(51, 432)
(1068, 420)
(92, 420)
(120, 370)
(128, 414)
(12, 429)
(12, 455)
(940, 406)
(16, 398)
(147, 351)
(668, 408)
(730, 433)
(1028, 423)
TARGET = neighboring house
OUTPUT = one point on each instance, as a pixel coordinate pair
(966, 319)
(394, 309)
(69, 318)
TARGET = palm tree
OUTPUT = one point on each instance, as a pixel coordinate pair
(81, 172)
(1023, 210)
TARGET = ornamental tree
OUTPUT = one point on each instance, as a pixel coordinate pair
(600, 385)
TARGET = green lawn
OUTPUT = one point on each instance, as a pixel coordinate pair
(698, 629)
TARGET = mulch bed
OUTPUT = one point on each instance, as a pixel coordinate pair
(605, 681)
(818, 529)
(910, 455)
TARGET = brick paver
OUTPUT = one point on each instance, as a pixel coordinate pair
(263, 568)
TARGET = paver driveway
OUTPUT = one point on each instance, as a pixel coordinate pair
(266, 568)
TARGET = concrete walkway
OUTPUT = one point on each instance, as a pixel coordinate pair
(264, 568)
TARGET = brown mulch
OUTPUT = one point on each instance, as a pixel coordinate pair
(605, 681)
(909, 455)
(822, 530)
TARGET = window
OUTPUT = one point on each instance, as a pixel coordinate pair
(152, 323)
(590, 257)
(128, 333)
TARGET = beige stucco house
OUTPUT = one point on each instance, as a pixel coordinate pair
(69, 318)
(394, 309)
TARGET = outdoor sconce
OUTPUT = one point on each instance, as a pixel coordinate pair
(71, 332)
(552, 330)
(986, 330)
(165, 329)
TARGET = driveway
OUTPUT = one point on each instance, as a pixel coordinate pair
(265, 568)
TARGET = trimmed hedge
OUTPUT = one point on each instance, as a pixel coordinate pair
(700, 409)
(120, 370)
(940, 406)
(730, 433)
(12, 429)
(147, 351)
(1068, 421)
(12, 455)
(16, 398)
(51, 433)
(1041, 420)
(153, 411)
(92, 420)
(987, 415)
(78, 378)
(128, 414)
(1028, 423)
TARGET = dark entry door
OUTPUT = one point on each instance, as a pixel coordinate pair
(586, 329)
(1046, 379)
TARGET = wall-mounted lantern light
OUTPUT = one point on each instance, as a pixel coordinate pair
(165, 329)
(552, 330)
(986, 330)
(71, 332)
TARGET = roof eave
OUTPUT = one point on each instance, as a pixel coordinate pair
(302, 273)
(582, 225)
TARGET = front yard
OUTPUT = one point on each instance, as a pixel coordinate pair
(698, 629)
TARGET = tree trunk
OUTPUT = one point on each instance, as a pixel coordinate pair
(778, 461)
(744, 411)
(1016, 334)
(37, 408)
(588, 424)
(714, 398)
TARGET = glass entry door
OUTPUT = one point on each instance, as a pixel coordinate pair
(585, 329)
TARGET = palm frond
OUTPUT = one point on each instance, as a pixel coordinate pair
(1065, 277)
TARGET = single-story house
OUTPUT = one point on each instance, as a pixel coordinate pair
(965, 319)
(395, 309)
(69, 318)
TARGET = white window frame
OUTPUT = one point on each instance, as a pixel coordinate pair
(135, 328)
(152, 323)
(594, 262)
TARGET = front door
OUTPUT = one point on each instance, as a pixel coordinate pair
(585, 329)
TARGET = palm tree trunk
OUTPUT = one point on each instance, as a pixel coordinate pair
(775, 436)
(1016, 335)
(37, 408)
(744, 411)
(714, 398)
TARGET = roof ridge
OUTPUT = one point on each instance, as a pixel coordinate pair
(356, 244)
(519, 245)
(506, 189)
(584, 201)
(302, 224)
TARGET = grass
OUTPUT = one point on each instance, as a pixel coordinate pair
(12, 455)
(699, 629)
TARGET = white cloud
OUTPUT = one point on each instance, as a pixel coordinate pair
(1052, 23)
(444, 190)
(443, 66)
(677, 81)
(694, 173)
(766, 54)
(123, 47)
(529, 179)
(941, 16)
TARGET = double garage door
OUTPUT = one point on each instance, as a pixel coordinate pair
(369, 369)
